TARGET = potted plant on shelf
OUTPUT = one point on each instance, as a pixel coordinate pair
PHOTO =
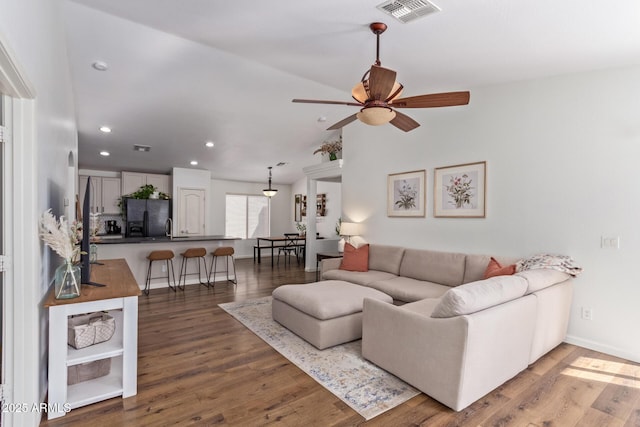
(147, 191)
(302, 228)
(331, 148)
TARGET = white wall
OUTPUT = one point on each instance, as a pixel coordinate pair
(325, 225)
(281, 210)
(32, 30)
(562, 158)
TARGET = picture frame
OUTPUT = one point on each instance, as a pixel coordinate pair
(297, 207)
(406, 194)
(459, 191)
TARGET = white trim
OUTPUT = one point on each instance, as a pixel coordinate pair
(329, 171)
(602, 348)
(12, 80)
(22, 354)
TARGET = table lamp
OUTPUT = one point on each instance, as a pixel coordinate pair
(349, 229)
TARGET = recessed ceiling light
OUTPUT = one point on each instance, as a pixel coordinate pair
(209, 144)
(193, 162)
(105, 129)
(322, 119)
(100, 66)
(105, 153)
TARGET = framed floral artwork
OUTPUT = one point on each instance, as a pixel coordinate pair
(406, 194)
(459, 191)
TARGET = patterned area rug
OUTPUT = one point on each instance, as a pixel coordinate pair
(342, 370)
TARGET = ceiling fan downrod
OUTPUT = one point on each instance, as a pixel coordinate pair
(378, 28)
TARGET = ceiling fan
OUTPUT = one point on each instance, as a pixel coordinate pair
(377, 94)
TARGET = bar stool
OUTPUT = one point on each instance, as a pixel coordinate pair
(167, 257)
(193, 253)
(227, 252)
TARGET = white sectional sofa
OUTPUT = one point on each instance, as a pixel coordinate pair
(451, 333)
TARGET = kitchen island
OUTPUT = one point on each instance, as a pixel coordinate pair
(136, 249)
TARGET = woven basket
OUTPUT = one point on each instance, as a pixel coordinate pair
(90, 329)
(88, 371)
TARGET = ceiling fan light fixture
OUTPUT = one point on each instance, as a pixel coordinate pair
(376, 116)
(359, 93)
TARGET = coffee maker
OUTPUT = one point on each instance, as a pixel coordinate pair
(111, 227)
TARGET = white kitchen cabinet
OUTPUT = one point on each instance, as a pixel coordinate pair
(110, 195)
(105, 194)
(161, 182)
(132, 181)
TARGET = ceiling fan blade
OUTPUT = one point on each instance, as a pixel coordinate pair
(446, 99)
(404, 122)
(319, 101)
(381, 81)
(343, 122)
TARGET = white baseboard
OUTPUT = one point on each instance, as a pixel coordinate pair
(603, 348)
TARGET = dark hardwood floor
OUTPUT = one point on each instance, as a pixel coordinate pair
(199, 366)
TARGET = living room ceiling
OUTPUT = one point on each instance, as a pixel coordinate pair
(181, 73)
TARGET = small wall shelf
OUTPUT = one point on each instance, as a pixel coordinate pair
(321, 205)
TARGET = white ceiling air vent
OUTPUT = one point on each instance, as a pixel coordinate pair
(408, 10)
(143, 148)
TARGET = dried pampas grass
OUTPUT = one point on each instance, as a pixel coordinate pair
(57, 235)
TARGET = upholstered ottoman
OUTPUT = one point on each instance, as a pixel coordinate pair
(325, 313)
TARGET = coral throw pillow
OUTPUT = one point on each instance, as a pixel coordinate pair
(355, 259)
(495, 269)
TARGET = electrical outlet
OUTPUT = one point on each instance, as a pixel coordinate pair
(587, 313)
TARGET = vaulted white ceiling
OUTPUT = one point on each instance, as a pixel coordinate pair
(183, 72)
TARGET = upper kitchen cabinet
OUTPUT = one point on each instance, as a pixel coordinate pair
(132, 181)
(105, 194)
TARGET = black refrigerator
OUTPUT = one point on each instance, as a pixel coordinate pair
(147, 217)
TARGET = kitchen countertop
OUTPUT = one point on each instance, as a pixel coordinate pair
(113, 240)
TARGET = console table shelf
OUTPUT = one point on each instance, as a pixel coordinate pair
(120, 299)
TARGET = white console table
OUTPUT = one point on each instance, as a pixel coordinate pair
(120, 298)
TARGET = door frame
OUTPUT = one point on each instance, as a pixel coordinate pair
(21, 354)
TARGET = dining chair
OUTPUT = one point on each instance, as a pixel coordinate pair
(290, 247)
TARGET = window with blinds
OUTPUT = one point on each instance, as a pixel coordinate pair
(247, 216)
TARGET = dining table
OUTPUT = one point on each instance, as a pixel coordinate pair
(273, 242)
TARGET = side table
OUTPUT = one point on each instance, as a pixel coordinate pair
(322, 255)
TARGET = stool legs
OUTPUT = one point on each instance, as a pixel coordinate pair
(214, 265)
(183, 272)
(169, 265)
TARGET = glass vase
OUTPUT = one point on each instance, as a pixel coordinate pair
(93, 253)
(67, 281)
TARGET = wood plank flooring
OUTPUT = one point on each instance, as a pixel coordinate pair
(197, 366)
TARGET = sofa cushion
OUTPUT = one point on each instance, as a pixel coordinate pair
(542, 278)
(385, 258)
(409, 290)
(475, 296)
(357, 277)
(446, 268)
(476, 265)
(355, 259)
(496, 269)
(328, 299)
(424, 307)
